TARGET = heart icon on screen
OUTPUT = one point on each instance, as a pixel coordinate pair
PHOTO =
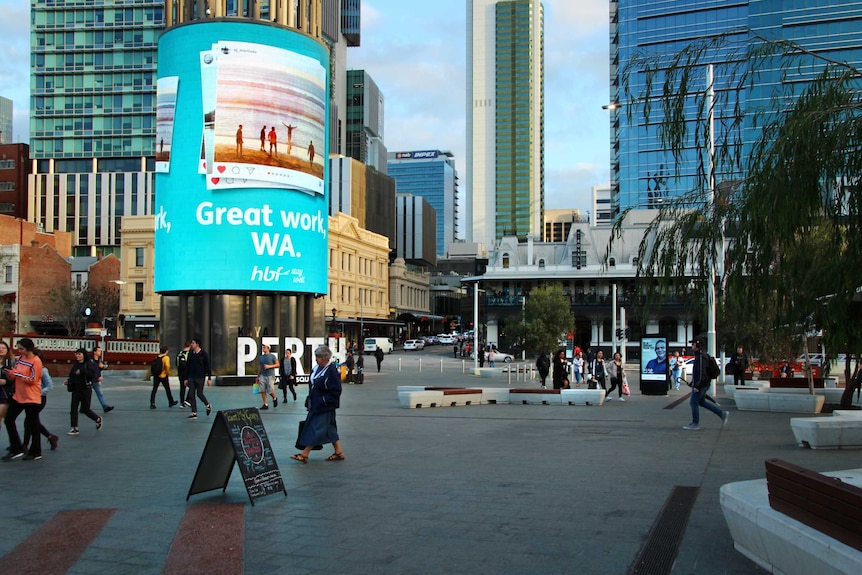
(221, 169)
(214, 180)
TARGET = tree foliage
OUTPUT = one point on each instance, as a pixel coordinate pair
(547, 316)
(787, 189)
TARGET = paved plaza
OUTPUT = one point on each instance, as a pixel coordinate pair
(491, 489)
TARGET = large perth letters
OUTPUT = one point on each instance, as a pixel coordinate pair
(248, 349)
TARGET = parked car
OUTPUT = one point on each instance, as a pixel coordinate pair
(431, 340)
(498, 356)
(414, 344)
(446, 338)
(371, 344)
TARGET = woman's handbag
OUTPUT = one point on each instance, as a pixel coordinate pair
(626, 390)
(299, 434)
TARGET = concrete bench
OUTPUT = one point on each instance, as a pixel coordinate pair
(769, 527)
(837, 432)
(424, 398)
(459, 396)
(730, 389)
(494, 395)
(778, 401)
(582, 396)
(532, 396)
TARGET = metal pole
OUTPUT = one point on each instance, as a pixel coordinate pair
(476, 328)
(614, 317)
(710, 294)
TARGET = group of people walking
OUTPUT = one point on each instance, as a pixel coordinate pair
(193, 371)
(24, 384)
(594, 370)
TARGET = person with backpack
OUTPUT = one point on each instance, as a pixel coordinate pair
(182, 360)
(160, 369)
(705, 369)
(288, 375)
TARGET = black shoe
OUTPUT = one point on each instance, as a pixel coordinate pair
(98, 424)
(193, 416)
(275, 402)
(11, 456)
(109, 408)
(209, 409)
(173, 403)
(152, 406)
(264, 407)
(32, 457)
(53, 440)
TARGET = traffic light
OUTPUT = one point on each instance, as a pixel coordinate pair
(121, 319)
(86, 311)
(619, 333)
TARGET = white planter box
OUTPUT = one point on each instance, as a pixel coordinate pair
(779, 402)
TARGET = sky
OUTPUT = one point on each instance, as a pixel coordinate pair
(417, 58)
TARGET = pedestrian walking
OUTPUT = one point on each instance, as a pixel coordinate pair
(699, 387)
(182, 360)
(162, 378)
(266, 376)
(98, 366)
(27, 398)
(598, 375)
(324, 397)
(378, 355)
(198, 370)
(47, 385)
(617, 374)
(543, 366)
(79, 384)
(288, 375)
(676, 368)
(7, 360)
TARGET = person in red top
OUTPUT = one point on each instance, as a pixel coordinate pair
(27, 373)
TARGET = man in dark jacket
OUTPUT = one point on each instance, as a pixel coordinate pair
(197, 370)
(738, 366)
(543, 365)
(378, 355)
(700, 387)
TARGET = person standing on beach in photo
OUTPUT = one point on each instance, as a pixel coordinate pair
(273, 142)
(311, 153)
(263, 139)
(289, 136)
(239, 141)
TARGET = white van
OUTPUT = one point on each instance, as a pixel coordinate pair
(372, 343)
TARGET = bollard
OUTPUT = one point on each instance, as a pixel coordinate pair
(463, 365)
(399, 364)
(510, 377)
(420, 364)
(441, 366)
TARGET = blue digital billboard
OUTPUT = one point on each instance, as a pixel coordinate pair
(241, 160)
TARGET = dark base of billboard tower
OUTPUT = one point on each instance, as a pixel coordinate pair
(654, 387)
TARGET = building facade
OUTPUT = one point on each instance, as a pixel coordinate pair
(14, 169)
(505, 119)
(642, 174)
(92, 116)
(415, 224)
(430, 174)
(6, 115)
(365, 120)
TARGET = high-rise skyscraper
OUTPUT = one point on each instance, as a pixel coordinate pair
(365, 120)
(505, 119)
(430, 174)
(92, 116)
(642, 174)
(6, 109)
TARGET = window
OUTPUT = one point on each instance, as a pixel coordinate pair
(505, 261)
(139, 291)
(139, 257)
(8, 275)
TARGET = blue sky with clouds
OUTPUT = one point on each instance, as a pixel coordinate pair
(417, 58)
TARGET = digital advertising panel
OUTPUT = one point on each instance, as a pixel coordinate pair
(241, 160)
(654, 361)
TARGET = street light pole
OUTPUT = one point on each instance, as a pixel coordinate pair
(710, 294)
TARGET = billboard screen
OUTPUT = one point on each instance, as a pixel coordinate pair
(241, 160)
(654, 363)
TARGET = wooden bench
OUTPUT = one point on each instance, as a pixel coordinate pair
(459, 396)
(770, 520)
(826, 504)
(794, 382)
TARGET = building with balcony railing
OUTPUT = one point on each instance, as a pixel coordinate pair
(588, 274)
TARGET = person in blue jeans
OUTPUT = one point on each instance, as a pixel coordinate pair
(700, 387)
(98, 366)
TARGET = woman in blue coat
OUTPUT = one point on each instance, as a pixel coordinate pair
(324, 396)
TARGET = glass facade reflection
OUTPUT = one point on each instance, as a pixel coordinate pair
(642, 172)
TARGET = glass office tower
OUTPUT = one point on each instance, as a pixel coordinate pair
(92, 116)
(642, 173)
(505, 119)
(430, 174)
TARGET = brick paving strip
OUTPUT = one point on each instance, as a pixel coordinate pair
(56, 546)
(209, 540)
